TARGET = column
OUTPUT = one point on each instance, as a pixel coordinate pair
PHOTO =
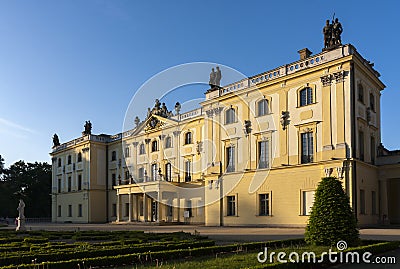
(383, 201)
(130, 207)
(326, 113)
(118, 207)
(158, 207)
(135, 208)
(144, 207)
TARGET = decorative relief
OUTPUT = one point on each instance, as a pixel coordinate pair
(339, 76)
(305, 115)
(326, 80)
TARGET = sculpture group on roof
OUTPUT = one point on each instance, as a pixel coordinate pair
(159, 110)
(88, 128)
(332, 34)
(215, 78)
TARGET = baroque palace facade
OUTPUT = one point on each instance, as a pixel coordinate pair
(252, 154)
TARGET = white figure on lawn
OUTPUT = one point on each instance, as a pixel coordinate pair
(21, 216)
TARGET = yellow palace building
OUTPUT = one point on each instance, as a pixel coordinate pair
(251, 154)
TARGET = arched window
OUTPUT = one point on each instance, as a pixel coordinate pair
(230, 116)
(262, 107)
(360, 92)
(79, 157)
(113, 156)
(306, 96)
(154, 172)
(188, 138)
(372, 102)
(154, 146)
(142, 150)
(168, 172)
(168, 142)
(69, 159)
(59, 162)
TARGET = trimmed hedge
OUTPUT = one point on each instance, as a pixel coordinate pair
(134, 258)
(27, 257)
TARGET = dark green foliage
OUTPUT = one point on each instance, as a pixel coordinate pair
(29, 181)
(332, 218)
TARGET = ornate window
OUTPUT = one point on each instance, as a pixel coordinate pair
(69, 159)
(307, 147)
(168, 142)
(188, 138)
(113, 156)
(79, 157)
(306, 96)
(262, 107)
(142, 149)
(230, 116)
(154, 146)
(59, 162)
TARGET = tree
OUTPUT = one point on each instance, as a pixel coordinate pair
(332, 218)
(32, 183)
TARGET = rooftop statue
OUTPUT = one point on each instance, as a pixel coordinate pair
(88, 128)
(215, 78)
(332, 34)
(159, 110)
(56, 141)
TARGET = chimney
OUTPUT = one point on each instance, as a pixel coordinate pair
(304, 53)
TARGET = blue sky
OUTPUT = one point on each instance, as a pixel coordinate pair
(64, 62)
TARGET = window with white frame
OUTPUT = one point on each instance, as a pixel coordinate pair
(154, 146)
(262, 107)
(142, 149)
(230, 159)
(230, 116)
(168, 142)
(168, 172)
(306, 96)
(127, 152)
(263, 154)
(231, 205)
(154, 172)
(308, 201)
(188, 138)
(188, 171)
(263, 204)
(307, 147)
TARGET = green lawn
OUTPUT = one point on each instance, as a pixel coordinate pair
(222, 261)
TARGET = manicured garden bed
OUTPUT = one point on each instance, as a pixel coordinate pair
(133, 249)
